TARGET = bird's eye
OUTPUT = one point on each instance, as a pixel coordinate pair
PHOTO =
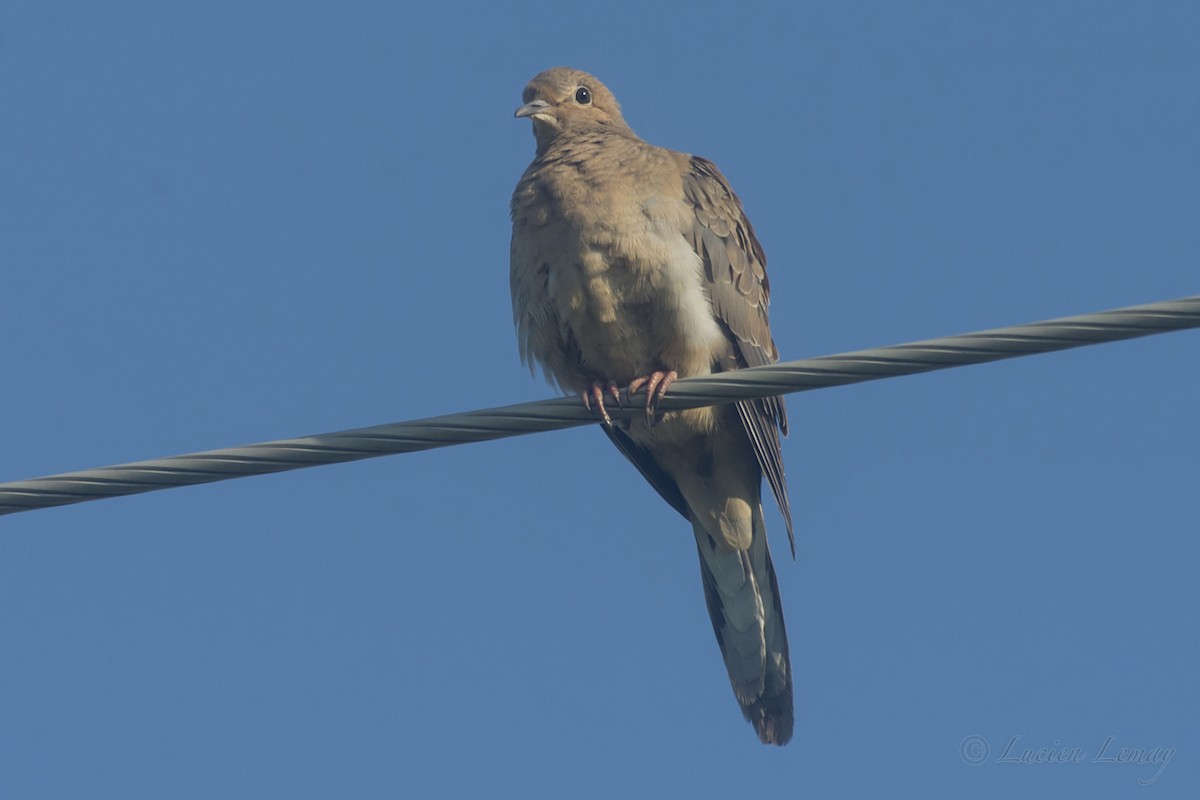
(583, 96)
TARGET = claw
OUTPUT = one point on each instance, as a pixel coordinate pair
(593, 399)
(614, 391)
(656, 384)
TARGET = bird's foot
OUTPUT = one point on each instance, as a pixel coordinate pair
(593, 398)
(655, 384)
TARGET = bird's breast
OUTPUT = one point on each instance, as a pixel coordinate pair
(632, 298)
(620, 291)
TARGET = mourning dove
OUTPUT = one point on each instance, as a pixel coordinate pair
(632, 265)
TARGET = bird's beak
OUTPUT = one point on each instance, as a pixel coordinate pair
(531, 109)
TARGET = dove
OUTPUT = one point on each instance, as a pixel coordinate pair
(631, 266)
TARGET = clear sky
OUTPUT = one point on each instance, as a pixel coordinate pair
(224, 223)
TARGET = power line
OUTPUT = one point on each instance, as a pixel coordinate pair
(566, 412)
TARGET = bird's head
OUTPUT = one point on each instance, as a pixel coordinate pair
(564, 100)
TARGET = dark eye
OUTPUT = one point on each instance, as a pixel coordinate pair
(583, 96)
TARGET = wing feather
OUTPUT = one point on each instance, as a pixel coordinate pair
(735, 269)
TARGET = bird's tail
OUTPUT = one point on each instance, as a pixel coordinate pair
(743, 602)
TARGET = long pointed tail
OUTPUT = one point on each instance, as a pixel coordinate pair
(743, 602)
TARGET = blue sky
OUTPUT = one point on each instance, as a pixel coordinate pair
(229, 222)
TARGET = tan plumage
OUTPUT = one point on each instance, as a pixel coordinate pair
(630, 260)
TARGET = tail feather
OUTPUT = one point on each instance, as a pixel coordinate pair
(742, 594)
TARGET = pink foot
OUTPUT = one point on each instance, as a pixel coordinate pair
(656, 384)
(593, 398)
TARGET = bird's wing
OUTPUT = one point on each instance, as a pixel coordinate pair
(735, 269)
(654, 474)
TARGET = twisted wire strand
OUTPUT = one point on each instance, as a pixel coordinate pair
(565, 412)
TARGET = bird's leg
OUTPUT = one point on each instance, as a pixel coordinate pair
(656, 384)
(593, 398)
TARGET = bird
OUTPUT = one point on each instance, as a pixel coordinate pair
(632, 265)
